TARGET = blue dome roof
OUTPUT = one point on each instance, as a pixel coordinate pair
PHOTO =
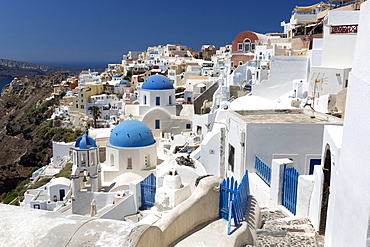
(157, 82)
(122, 82)
(115, 76)
(85, 142)
(131, 134)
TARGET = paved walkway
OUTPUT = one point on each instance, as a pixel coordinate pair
(278, 231)
(207, 234)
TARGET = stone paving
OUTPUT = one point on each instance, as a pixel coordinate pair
(279, 230)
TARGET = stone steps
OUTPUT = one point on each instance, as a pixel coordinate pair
(279, 230)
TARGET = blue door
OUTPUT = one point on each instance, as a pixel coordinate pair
(148, 190)
(62, 193)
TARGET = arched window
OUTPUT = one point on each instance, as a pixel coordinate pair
(83, 159)
(92, 159)
(129, 162)
(111, 159)
(247, 45)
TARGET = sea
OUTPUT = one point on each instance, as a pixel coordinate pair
(73, 64)
(77, 64)
(2, 84)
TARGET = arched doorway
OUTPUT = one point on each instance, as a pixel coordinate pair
(249, 77)
(325, 190)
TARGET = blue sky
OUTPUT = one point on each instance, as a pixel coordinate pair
(55, 32)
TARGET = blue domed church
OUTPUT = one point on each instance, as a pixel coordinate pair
(157, 91)
(86, 167)
(131, 155)
(131, 148)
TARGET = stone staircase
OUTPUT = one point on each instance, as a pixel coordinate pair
(279, 230)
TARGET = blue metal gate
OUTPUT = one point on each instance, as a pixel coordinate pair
(234, 200)
(148, 190)
(289, 196)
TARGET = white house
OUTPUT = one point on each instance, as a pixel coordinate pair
(340, 204)
(237, 136)
(330, 64)
(49, 196)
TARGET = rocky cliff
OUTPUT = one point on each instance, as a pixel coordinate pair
(10, 69)
(23, 146)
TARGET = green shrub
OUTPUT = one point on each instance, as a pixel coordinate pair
(40, 183)
(10, 197)
(65, 172)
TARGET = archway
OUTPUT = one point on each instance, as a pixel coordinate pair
(249, 77)
(325, 190)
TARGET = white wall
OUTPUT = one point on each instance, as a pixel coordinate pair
(122, 208)
(236, 129)
(315, 54)
(283, 140)
(151, 100)
(60, 149)
(332, 138)
(329, 81)
(82, 203)
(109, 173)
(348, 214)
(210, 152)
(201, 121)
(283, 70)
(338, 49)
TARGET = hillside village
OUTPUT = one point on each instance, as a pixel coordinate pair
(169, 131)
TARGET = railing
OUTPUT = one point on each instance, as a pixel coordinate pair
(234, 200)
(263, 170)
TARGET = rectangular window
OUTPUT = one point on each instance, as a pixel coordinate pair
(188, 126)
(240, 47)
(313, 163)
(157, 100)
(169, 100)
(157, 124)
(253, 47)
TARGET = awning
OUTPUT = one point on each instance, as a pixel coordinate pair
(310, 8)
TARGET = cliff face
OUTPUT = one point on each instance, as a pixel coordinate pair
(23, 111)
(10, 69)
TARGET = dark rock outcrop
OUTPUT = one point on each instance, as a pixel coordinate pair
(22, 114)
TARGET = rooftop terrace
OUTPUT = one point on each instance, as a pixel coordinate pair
(286, 116)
